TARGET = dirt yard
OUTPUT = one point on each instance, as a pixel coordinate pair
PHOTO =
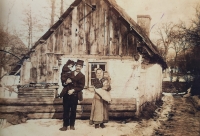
(182, 119)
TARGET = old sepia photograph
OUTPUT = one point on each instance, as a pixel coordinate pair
(99, 68)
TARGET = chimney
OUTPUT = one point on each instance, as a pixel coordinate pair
(144, 21)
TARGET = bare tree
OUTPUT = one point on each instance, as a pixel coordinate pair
(32, 26)
(8, 16)
(193, 32)
(61, 7)
(11, 46)
(11, 50)
(165, 37)
(192, 37)
(53, 7)
(179, 43)
(160, 47)
(29, 23)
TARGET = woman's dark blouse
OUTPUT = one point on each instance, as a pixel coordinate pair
(97, 83)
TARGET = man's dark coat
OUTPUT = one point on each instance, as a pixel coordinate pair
(78, 82)
(70, 101)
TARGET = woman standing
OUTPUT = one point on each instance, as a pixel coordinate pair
(99, 111)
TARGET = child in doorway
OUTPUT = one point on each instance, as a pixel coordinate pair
(66, 75)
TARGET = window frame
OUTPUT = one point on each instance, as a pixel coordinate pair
(90, 70)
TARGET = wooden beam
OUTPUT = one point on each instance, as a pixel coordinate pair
(79, 115)
(42, 41)
(97, 57)
(26, 95)
(57, 101)
(59, 108)
(148, 50)
(35, 90)
(52, 29)
(61, 18)
(72, 7)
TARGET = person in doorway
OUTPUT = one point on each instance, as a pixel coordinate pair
(70, 99)
(66, 76)
(99, 111)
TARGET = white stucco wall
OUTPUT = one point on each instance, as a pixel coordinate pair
(150, 84)
(10, 80)
(8, 87)
(153, 88)
(124, 75)
(124, 78)
(129, 79)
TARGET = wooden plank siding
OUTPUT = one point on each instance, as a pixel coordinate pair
(83, 32)
(99, 24)
(40, 108)
(93, 32)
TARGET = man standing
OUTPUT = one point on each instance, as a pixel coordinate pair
(70, 99)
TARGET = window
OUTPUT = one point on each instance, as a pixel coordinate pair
(92, 67)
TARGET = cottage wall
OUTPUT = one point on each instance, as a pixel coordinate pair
(150, 84)
(153, 82)
(124, 78)
(101, 38)
(129, 79)
(8, 88)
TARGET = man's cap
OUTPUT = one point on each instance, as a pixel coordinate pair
(80, 62)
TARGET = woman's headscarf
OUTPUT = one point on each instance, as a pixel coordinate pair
(101, 72)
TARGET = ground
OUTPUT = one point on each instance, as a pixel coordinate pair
(176, 117)
(183, 119)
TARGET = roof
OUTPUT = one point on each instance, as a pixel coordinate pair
(118, 10)
(139, 31)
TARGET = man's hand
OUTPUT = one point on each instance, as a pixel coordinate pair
(71, 91)
(68, 81)
(104, 87)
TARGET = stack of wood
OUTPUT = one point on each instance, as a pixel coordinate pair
(37, 91)
(49, 108)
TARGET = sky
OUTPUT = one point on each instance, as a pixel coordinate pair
(161, 11)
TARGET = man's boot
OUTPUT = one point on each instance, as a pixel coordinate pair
(64, 128)
(72, 128)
